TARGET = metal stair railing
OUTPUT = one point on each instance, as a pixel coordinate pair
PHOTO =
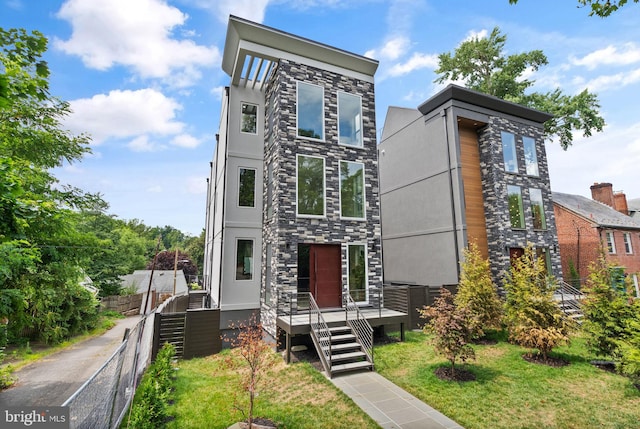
(359, 325)
(569, 298)
(320, 334)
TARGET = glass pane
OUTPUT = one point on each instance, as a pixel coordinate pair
(350, 119)
(310, 186)
(537, 207)
(247, 187)
(515, 206)
(509, 152)
(357, 272)
(530, 156)
(244, 260)
(249, 118)
(352, 189)
(310, 111)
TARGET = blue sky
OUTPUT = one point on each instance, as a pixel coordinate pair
(144, 80)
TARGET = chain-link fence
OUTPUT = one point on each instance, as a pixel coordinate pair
(103, 400)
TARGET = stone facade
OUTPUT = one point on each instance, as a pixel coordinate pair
(501, 236)
(283, 230)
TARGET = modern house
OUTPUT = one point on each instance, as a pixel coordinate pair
(293, 207)
(464, 166)
(587, 227)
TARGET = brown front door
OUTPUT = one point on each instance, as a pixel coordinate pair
(325, 272)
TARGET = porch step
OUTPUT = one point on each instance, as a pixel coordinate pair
(351, 366)
(342, 338)
(349, 356)
(343, 347)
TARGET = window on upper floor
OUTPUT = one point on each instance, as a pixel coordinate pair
(310, 111)
(349, 119)
(247, 187)
(627, 243)
(509, 152)
(310, 186)
(611, 244)
(537, 209)
(352, 189)
(530, 156)
(516, 211)
(249, 122)
(244, 259)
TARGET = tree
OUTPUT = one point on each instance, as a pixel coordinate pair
(477, 293)
(166, 260)
(194, 246)
(532, 316)
(482, 65)
(601, 8)
(450, 326)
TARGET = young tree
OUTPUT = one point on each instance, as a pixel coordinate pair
(483, 66)
(533, 318)
(477, 293)
(451, 329)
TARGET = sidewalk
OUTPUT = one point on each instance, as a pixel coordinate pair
(389, 405)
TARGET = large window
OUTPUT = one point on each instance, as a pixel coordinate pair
(247, 187)
(310, 180)
(357, 272)
(310, 111)
(611, 244)
(516, 212)
(351, 189)
(627, 243)
(249, 118)
(244, 259)
(350, 119)
(530, 156)
(509, 152)
(537, 208)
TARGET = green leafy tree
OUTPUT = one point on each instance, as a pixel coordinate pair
(532, 316)
(194, 246)
(477, 293)
(166, 260)
(451, 329)
(483, 66)
(601, 8)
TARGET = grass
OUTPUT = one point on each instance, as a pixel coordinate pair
(512, 393)
(294, 396)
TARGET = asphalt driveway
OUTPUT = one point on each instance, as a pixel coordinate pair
(52, 380)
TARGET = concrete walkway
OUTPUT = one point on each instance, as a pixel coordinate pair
(389, 405)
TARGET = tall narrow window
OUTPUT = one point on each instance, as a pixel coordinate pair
(509, 152)
(249, 118)
(516, 212)
(357, 272)
(247, 187)
(542, 254)
(537, 208)
(310, 180)
(310, 111)
(352, 189)
(244, 259)
(611, 244)
(530, 156)
(627, 243)
(350, 119)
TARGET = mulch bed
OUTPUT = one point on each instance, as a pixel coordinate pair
(549, 361)
(444, 373)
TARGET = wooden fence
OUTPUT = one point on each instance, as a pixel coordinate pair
(410, 298)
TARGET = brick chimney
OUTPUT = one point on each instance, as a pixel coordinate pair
(603, 192)
(620, 203)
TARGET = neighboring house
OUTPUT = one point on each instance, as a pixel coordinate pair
(293, 203)
(634, 208)
(164, 283)
(464, 166)
(587, 227)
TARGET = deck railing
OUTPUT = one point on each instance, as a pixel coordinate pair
(570, 299)
(359, 325)
(320, 334)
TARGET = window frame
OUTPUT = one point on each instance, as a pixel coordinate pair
(322, 111)
(242, 115)
(537, 203)
(513, 148)
(359, 124)
(628, 247)
(611, 242)
(324, 188)
(532, 149)
(364, 191)
(366, 270)
(520, 207)
(252, 259)
(255, 174)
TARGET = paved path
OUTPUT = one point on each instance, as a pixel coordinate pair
(389, 405)
(52, 380)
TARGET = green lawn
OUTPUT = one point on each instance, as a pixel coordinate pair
(512, 393)
(294, 396)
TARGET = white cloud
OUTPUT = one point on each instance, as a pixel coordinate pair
(417, 61)
(476, 35)
(186, 141)
(122, 114)
(141, 144)
(252, 10)
(613, 81)
(217, 92)
(392, 49)
(135, 34)
(625, 54)
(196, 185)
